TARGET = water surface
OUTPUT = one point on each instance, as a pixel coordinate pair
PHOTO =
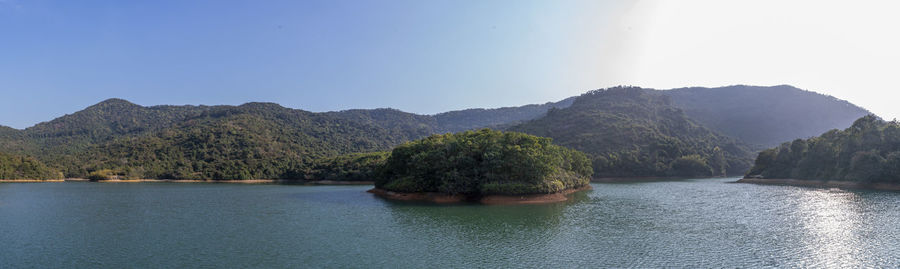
(692, 223)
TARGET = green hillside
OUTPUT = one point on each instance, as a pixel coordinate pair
(631, 132)
(21, 167)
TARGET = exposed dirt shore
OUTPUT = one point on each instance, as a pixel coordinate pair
(822, 183)
(640, 179)
(247, 181)
(441, 198)
(30, 180)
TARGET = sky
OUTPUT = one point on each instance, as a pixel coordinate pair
(58, 57)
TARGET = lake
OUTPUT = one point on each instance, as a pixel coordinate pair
(689, 223)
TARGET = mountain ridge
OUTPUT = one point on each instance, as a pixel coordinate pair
(267, 140)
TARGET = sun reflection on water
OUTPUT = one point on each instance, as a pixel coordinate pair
(830, 218)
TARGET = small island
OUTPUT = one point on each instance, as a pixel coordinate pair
(866, 155)
(486, 166)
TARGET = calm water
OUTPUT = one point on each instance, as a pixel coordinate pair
(694, 223)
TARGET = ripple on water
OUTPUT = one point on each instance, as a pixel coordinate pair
(692, 223)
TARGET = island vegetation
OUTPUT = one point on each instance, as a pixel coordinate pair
(475, 164)
(867, 152)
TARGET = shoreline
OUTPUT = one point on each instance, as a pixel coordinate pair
(646, 179)
(247, 181)
(495, 199)
(30, 180)
(821, 183)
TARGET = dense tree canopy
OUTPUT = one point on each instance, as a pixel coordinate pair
(484, 162)
(631, 132)
(626, 132)
(21, 167)
(868, 151)
(349, 167)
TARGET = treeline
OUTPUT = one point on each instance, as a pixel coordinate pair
(349, 167)
(22, 167)
(868, 151)
(484, 162)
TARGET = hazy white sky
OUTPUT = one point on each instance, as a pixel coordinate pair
(57, 57)
(848, 49)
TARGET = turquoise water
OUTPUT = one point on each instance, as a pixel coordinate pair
(692, 223)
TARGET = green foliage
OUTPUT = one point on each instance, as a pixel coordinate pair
(21, 167)
(631, 132)
(626, 132)
(484, 162)
(868, 151)
(104, 174)
(350, 167)
(691, 165)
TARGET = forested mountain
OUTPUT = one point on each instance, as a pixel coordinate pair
(765, 116)
(254, 140)
(461, 120)
(868, 151)
(629, 131)
(626, 131)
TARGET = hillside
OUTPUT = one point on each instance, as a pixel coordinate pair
(868, 151)
(627, 132)
(22, 167)
(765, 116)
(254, 140)
(469, 119)
(251, 141)
(638, 132)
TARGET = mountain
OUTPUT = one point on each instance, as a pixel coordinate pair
(254, 140)
(470, 119)
(101, 122)
(765, 116)
(629, 131)
(868, 151)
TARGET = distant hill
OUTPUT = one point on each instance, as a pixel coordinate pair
(630, 132)
(254, 140)
(627, 132)
(469, 119)
(765, 116)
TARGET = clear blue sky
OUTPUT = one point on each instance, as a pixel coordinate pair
(418, 56)
(430, 56)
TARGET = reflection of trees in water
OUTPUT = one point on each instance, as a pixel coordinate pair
(493, 227)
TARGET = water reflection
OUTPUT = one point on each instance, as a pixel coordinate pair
(830, 220)
(487, 232)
